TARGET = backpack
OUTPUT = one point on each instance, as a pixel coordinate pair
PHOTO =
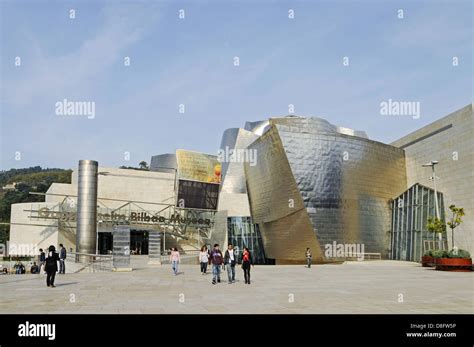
(216, 257)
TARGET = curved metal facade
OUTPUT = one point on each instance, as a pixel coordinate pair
(313, 186)
(233, 175)
(257, 127)
(163, 162)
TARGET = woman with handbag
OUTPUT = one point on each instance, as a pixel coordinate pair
(246, 263)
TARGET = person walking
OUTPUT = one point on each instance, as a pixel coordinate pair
(204, 259)
(62, 259)
(174, 259)
(51, 266)
(246, 263)
(42, 258)
(230, 261)
(309, 257)
(217, 260)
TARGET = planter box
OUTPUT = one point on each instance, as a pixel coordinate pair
(453, 264)
(427, 261)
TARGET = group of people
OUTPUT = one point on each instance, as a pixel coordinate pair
(19, 268)
(218, 261)
(46, 263)
(49, 262)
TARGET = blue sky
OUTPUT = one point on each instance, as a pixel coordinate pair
(174, 61)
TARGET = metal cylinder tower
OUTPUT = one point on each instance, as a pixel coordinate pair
(86, 232)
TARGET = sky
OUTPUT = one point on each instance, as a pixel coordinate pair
(191, 61)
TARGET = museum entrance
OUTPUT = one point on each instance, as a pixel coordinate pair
(105, 243)
(138, 242)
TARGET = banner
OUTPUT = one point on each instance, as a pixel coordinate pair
(201, 167)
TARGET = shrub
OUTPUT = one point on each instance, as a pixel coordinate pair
(428, 253)
(439, 254)
(461, 253)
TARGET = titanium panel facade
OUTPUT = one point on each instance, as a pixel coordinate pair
(163, 163)
(233, 176)
(240, 230)
(313, 186)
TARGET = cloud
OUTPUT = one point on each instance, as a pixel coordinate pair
(53, 77)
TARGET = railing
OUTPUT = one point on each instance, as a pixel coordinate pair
(184, 255)
(365, 256)
(362, 256)
(78, 262)
(91, 262)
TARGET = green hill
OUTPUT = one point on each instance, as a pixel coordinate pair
(33, 179)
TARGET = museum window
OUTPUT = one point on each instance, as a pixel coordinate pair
(243, 233)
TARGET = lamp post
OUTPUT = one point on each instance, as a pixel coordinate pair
(433, 177)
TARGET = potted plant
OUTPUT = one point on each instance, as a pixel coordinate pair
(427, 259)
(454, 260)
(438, 254)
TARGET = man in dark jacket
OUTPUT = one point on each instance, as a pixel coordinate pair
(34, 268)
(62, 259)
(230, 259)
(217, 260)
(51, 266)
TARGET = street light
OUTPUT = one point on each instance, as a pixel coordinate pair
(433, 172)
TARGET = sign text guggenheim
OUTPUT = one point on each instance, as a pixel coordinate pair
(133, 218)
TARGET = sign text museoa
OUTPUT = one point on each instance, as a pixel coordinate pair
(132, 218)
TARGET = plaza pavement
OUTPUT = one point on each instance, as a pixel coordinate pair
(353, 287)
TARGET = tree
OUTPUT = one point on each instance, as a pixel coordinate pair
(436, 225)
(143, 165)
(456, 219)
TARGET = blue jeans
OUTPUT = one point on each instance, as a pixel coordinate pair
(230, 272)
(216, 272)
(62, 266)
(175, 266)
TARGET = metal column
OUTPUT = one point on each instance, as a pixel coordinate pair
(86, 235)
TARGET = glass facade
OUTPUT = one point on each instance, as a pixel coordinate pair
(243, 233)
(410, 212)
(198, 194)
